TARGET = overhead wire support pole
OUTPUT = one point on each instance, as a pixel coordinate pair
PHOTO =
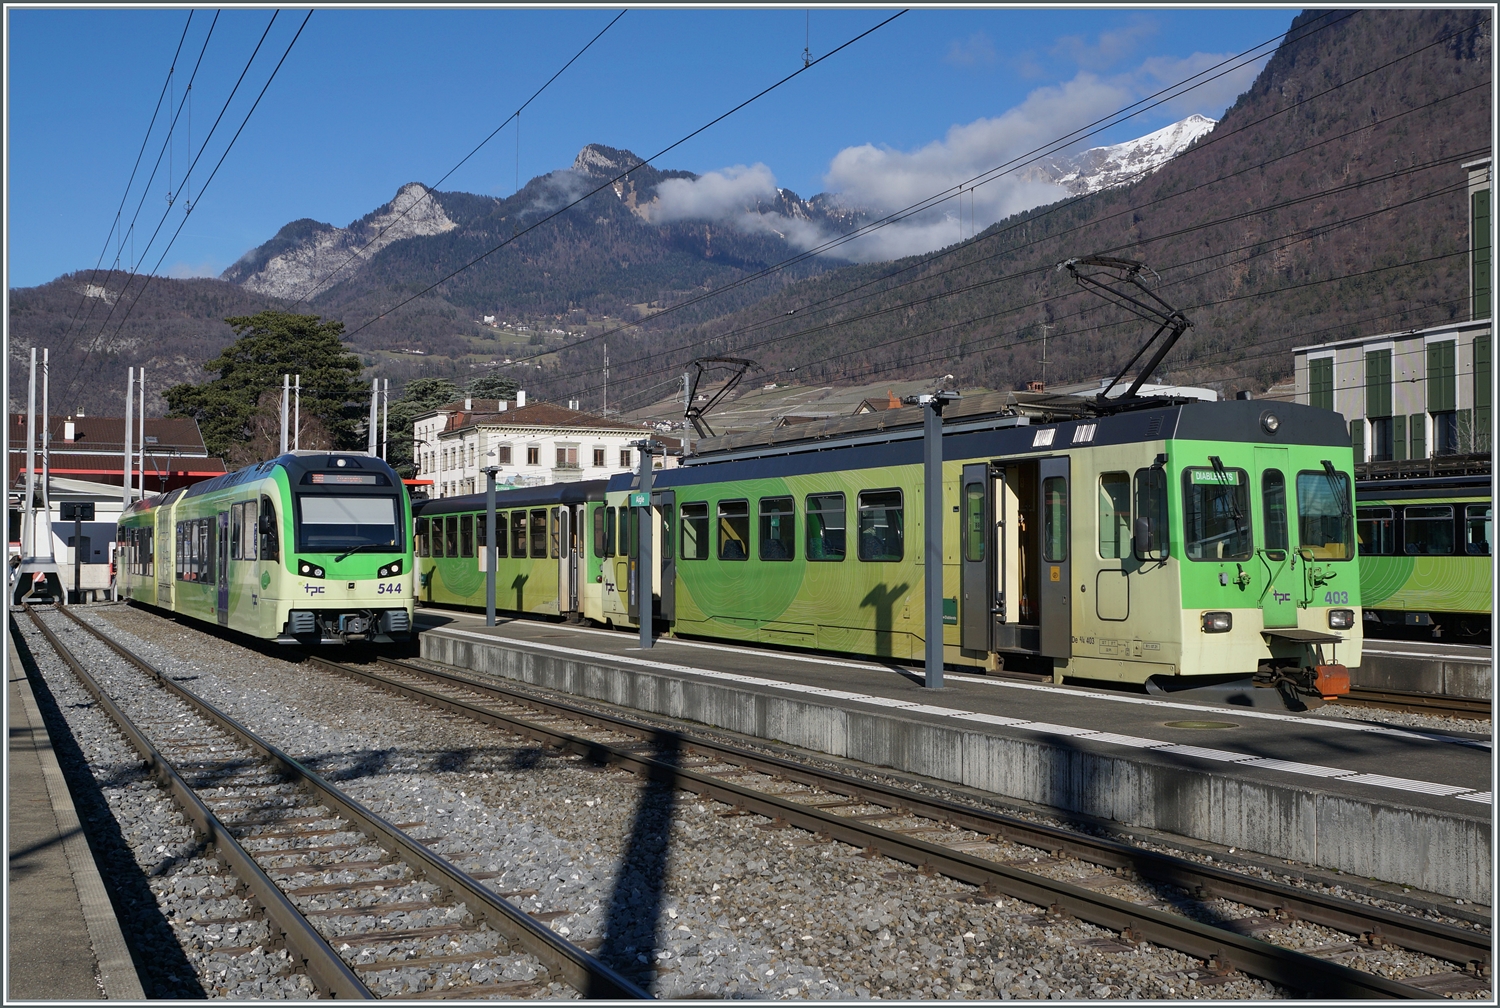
(645, 572)
(297, 414)
(286, 391)
(490, 551)
(932, 527)
(141, 440)
(128, 480)
(373, 426)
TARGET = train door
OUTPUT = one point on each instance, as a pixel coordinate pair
(567, 559)
(1276, 559)
(221, 563)
(1055, 576)
(665, 504)
(1028, 514)
(978, 602)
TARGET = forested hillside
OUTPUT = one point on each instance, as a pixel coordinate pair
(1330, 201)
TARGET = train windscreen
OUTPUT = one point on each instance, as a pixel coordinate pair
(329, 524)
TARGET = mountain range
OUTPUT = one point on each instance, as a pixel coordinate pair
(1265, 225)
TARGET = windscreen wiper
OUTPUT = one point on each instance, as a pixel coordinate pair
(364, 546)
(1234, 504)
(1336, 484)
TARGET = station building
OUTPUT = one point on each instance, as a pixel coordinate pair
(532, 444)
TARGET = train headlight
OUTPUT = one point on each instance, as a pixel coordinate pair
(389, 570)
(309, 570)
(1340, 619)
(1270, 422)
(1217, 622)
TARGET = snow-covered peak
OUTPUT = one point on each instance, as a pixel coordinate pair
(1122, 163)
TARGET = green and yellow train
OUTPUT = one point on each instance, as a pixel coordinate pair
(1425, 558)
(309, 547)
(1184, 540)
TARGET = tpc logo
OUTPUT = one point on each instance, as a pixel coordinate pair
(1280, 597)
(318, 589)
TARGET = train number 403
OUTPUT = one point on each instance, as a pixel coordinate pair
(1336, 598)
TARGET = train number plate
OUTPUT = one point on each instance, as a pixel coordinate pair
(388, 589)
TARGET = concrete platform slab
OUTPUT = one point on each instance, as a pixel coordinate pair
(1460, 670)
(64, 940)
(1387, 803)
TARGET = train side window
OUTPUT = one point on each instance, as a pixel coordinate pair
(666, 532)
(555, 525)
(252, 511)
(609, 531)
(734, 530)
(881, 526)
(179, 552)
(450, 537)
(1376, 530)
(1477, 521)
(466, 535)
(624, 544)
(1216, 514)
(1428, 531)
(598, 519)
(236, 531)
(1149, 538)
(481, 525)
(539, 533)
(518, 534)
(270, 541)
(826, 527)
(437, 537)
(1273, 503)
(424, 537)
(1055, 519)
(502, 541)
(695, 530)
(778, 528)
(1323, 516)
(1114, 515)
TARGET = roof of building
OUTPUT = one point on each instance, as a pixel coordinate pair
(174, 435)
(540, 414)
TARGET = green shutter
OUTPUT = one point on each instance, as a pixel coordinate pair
(1378, 383)
(1357, 439)
(1441, 377)
(1320, 383)
(1419, 435)
(1398, 438)
(1482, 393)
(1480, 239)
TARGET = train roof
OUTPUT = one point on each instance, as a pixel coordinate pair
(538, 496)
(296, 463)
(1026, 428)
(1376, 490)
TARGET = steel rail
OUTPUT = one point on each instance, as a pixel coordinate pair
(1217, 946)
(587, 975)
(1418, 703)
(1444, 941)
(307, 947)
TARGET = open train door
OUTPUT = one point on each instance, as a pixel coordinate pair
(664, 574)
(565, 520)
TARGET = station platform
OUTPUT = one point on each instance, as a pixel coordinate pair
(1457, 670)
(1320, 790)
(64, 939)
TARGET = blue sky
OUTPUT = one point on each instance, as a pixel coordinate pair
(371, 99)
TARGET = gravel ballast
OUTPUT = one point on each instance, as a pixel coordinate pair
(666, 886)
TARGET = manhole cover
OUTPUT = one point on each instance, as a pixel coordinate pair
(1201, 725)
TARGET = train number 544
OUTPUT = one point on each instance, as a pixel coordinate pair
(394, 589)
(1336, 598)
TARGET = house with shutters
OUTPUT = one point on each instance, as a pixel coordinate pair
(1422, 393)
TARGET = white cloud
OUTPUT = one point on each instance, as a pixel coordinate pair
(1210, 98)
(975, 49)
(1109, 48)
(185, 270)
(715, 195)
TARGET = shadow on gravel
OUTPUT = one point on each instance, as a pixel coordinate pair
(635, 905)
(163, 967)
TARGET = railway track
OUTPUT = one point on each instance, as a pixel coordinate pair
(1419, 703)
(363, 905)
(1005, 856)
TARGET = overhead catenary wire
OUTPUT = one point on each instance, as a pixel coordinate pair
(944, 195)
(556, 213)
(1313, 232)
(1196, 150)
(516, 115)
(217, 165)
(130, 182)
